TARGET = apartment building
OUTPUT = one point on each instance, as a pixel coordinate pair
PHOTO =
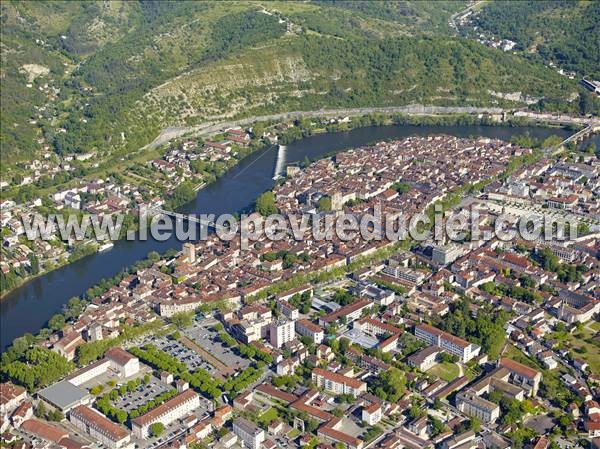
(351, 312)
(309, 329)
(372, 413)
(445, 254)
(375, 327)
(464, 350)
(470, 404)
(338, 383)
(177, 407)
(99, 427)
(11, 396)
(376, 294)
(249, 434)
(425, 358)
(522, 375)
(281, 332)
(288, 310)
(406, 274)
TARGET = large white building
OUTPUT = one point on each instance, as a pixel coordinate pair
(177, 407)
(372, 413)
(309, 329)
(115, 359)
(249, 434)
(338, 383)
(470, 404)
(464, 350)
(281, 332)
(123, 362)
(99, 427)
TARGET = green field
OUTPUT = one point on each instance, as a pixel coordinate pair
(445, 370)
(270, 415)
(582, 344)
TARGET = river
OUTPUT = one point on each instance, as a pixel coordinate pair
(28, 308)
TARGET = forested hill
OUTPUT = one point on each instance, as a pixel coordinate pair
(108, 75)
(563, 32)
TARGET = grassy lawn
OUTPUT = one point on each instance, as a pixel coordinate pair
(445, 370)
(595, 325)
(268, 416)
(581, 344)
(293, 433)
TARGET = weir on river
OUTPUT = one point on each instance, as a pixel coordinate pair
(280, 162)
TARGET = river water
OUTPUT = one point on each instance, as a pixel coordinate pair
(29, 307)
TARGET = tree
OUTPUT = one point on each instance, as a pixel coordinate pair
(437, 426)
(34, 263)
(153, 256)
(183, 193)
(157, 429)
(122, 417)
(390, 385)
(475, 424)
(40, 410)
(586, 103)
(265, 204)
(182, 319)
(55, 415)
(324, 204)
(56, 322)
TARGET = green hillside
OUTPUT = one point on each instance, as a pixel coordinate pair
(109, 75)
(563, 32)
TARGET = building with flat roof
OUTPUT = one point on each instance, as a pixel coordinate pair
(281, 332)
(249, 434)
(99, 427)
(64, 396)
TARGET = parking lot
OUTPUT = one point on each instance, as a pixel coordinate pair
(192, 360)
(201, 332)
(142, 395)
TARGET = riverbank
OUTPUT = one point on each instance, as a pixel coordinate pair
(28, 308)
(286, 135)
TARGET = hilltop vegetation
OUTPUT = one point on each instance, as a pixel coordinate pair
(564, 32)
(107, 76)
(312, 72)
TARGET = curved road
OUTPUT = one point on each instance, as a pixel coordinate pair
(214, 125)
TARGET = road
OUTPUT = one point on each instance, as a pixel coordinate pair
(454, 16)
(213, 126)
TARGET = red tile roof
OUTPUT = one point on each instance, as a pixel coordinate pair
(335, 377)
(163, 408)
(518, 368)
(109, 428)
